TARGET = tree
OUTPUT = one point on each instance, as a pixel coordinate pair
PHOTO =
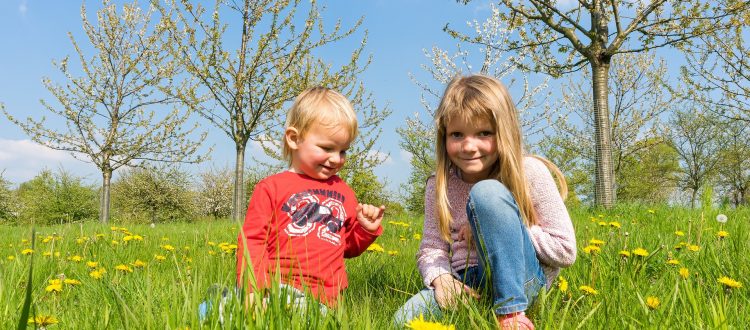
(154, 195)
(734, 161)
(215, 192)
(638, 101)
(109, 110)
(718, 73)
(693, 136)
(418, 133)
(248, 85)
(7, 203)
(60, 197)
(563, 38)
(648, 177)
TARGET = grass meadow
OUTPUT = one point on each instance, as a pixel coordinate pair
(637, 268)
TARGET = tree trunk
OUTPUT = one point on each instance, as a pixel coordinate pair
(605, 180)
(104, 199)
(238, 197)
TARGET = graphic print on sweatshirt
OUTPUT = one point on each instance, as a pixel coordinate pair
(309, 215)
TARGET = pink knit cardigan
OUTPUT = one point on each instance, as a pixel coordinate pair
(553, 236)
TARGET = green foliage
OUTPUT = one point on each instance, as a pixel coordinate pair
(366, 186)
(149, 195)
(57, 197)
(648, 176)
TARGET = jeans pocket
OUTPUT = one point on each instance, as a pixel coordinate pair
(532, 287)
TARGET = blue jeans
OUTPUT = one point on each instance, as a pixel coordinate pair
(504, 248)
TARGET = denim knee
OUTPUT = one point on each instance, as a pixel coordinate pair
(489, 190)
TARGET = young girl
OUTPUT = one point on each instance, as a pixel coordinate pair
(493, 216)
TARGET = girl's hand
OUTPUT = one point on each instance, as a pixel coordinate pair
(464, 234)
(448, 290)
(370, 216)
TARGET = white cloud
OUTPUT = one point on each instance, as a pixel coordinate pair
(405, 155)
(21, 160)
(23, 8)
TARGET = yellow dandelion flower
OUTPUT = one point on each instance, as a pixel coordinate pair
(159, 257)
(673, 262)
(591, 249)
(615, 224)
(57, 254)
(115, 242)
(722, 234)
(417, 236)
(137, 237)
(127, 238)
(588, 290)
(81, 240)
(113, 228)
(228, 248)
(47, 239)
(392, 252)
(27, 251)
(641, 252)
(694, 248)
(210, 243)
(652, 302)
(420, 324)
(596, 242)
(624, 254)
(375, 247)
(167, 247)
(730, 283)
(651, 211)
(97, 274)
(679, 233)
(124, 268)
(92, 264)
(99, 235)
(562, 284)
(47, 254)
(70, 281)
(684, 272)
(602, 223)
(11, 258)
(138, 263)
(43, 320)
(54, 286)
(75, 258)
(211, 253)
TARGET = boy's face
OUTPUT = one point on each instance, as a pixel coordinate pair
(321, 152)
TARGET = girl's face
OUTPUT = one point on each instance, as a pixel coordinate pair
(321, 153)
(472, 147)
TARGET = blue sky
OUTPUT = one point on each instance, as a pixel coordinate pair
(34, 33)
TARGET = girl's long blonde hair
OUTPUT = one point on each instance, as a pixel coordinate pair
(480, 98)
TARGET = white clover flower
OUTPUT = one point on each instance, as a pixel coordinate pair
(721, 218)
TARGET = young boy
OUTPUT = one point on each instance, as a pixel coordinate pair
(302, 223)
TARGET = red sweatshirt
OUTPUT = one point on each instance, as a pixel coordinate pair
(301, 229)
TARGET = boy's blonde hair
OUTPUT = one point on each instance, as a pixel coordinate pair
(475, 99)
(320, 106)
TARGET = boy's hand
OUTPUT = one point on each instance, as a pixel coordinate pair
(369, 216)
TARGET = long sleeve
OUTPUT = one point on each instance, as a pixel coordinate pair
(358, 239)
(433, 257)
(553, 236)
(254, 237)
